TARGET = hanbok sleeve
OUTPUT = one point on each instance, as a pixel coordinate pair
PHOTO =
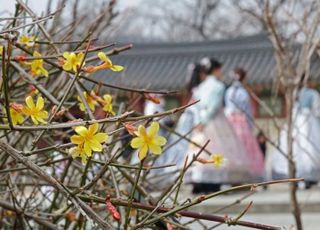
(213, 106)
(238, 100)
(247, 107)
(229, 106)
(316, 104)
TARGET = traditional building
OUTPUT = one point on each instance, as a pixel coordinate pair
(163, 66)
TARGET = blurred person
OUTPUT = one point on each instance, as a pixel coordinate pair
(262, 141)
(214, 125)
(306, 136)
(175, 153)
(239, 113)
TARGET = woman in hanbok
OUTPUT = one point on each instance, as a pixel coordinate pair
(176, 148)
(306, 135)
(215, 127)
(239, 113)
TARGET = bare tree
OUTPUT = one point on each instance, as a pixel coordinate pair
(44, 185)
(288, 22)
(187, 20)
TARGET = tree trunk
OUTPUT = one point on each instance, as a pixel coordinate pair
(291, 164)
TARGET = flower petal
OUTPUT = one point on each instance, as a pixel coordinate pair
(25, 110)
(137, 142)
(143, 152)
(66, 55)
(87, 149)
(36, 54)
(42, 114)
(101, 137)
(95, 146)
(80, 57)
(107, 98)
(93, 129)
(20, 119)
(91, 106)
(103, 56)
(74, 151)
(34, 119)
(141, 131)
(82, 107)
(29, 102)
(159, 140)
(81, 130)
(72, 56)
(76, 139)
(44, 71)
(67, 66)
(40, 103)
(154, 128)
(117, 68)
(41, 120)
(155, 149)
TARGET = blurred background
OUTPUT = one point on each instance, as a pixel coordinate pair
(169, 35)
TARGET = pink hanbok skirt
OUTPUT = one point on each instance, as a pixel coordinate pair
(223, 140)
(240, 125)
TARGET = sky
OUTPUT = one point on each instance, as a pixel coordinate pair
(8, 6)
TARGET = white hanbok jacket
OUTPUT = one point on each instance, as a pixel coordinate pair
(306, 135)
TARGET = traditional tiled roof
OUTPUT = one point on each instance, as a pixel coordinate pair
(164, 65)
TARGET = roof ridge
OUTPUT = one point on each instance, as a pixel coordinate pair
(261, 38)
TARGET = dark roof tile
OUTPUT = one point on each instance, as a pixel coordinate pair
(163, 65)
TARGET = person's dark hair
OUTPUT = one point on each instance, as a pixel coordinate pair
(302, 80)
(194, 74)
(241, 73)
(261, 134)
(210, 64)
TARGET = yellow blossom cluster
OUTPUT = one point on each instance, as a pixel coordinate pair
(218, 160)
(148, 140)
(93, 100)
(71, 61)
(87, 141)
(27, 41)
(74, 62)
(37, 66)
(33, 110)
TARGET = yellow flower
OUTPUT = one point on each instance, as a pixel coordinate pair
(148, 140)
(72, 61)
(107, 104)
(16, 116)
(107, 64)
(91, 100)
(218, 160)
(36, 112)
(27, 41)
(78, 152)
(88, 139)
(37, 66)
(1, 50)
